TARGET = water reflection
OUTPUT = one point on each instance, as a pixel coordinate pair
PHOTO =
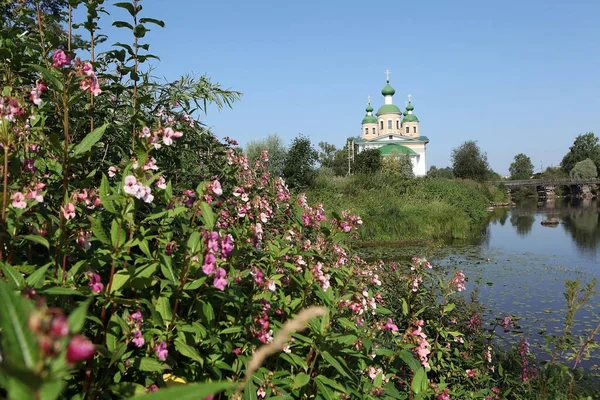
(579, 218)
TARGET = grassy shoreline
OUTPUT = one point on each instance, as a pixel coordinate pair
(408, 211)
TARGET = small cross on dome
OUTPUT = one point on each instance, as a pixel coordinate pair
(387, 75)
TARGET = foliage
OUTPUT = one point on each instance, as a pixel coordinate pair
(469, 162)
(445, 172)
(115, 284)
(368, 161)
(585, 169)
(521, 167)
(398, 166)
(275, 156)
(585, 146)
(327, 154)
(299, 166)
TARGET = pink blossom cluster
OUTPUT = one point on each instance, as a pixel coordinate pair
(527, 371)
(444, 395)
(35, 95)
(95, 282)
(161, 351)
(458, 281)
(264, 334)
(320, 276)
(137, 189)
(474, 323)
(60, 59)
(135, 321)
(164, 134)
(506, 323)
(89, 198)
(423, 348)
(83, 239)
(217, 246)
(89, 82)
(10, 110)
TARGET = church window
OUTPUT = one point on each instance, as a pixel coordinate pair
(381, 124)
(390, 137)
(397, 124)
(414, 129)
(373, 131)
(389, 124)
(366, 131)
(407, 129)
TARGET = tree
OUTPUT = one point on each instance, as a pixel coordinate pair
(276, 152)
(585, 146)
(299, 165)
(398, 166)
(368, 161)
(469, 162)
(521, 167)
(327, 154)
(585, 169)
(445, 172)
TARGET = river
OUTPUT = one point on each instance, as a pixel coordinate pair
(519, 266)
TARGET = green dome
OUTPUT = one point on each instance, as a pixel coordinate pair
(369, 119)
(410, 118)
(388, 90)
(409, 107)
(369, 108)
(389, 109)
(395, 149)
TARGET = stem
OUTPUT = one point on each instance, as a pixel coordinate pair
(582, 349)
(70, 33)
(4, 196)
(135, 69)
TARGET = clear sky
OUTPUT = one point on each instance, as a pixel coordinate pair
(516, 76)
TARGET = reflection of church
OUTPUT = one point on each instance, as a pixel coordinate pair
(393, 132)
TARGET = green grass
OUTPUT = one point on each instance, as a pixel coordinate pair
(409, 210)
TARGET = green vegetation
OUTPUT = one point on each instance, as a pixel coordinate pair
(399, 210)
(470, 162)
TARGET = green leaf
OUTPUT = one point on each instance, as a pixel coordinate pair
(334, 363)
(38, 239)
(191, 391)
(128, 6)
(163, 307)
(331, 383)
(166, 267)
(409, 359)
(77, 317)
(87, 142)
(143, 245)
(51, 390)
(208, 312)
(123, 24)
(98, 231)
(19, 342)
(119, 280)
(449, 307)
(118, 236)
(61, 291)
(207, 216)
(36, 279)
(152, 21)
(50, 76)
(149, 364)
(194, 284)
(193, 243)
(404, 307)
(300, 380)
(233, 329)
(419, 382)
(188, 351)
(13, 275)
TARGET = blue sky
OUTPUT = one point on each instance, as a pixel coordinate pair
(516, 76)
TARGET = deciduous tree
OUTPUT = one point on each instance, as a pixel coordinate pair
(521, 167)
(299, 165)
(585, 169)
(469, 162)
(368, 161)
(276, 152)
(585, 146)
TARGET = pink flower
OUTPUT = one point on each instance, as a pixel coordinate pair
(169, 134)
(220, 279)
(212, 242)
(69, 211)
(18, 200)
(112, 171)
(95, 282)
(151, 388)
(261, 392)
(161, 351)
(87, 69)
(80, 349)
(444, 395)
(216, 187)
(227, 245)
(131, 185)
(59, 327)
(60, 59)
(209, 264)
(136, 317)
(237, 351)
(161, 183)
(138, 339)
(390, 325)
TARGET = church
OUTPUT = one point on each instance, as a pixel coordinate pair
(393, 132)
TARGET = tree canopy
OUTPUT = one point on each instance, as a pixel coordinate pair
(585, 146)
(367, 161)
(521, 167)
(299, 166)
(435, 172)
(585, 169)
(469, 162)
(276, 152)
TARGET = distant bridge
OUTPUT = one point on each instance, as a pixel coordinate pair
(545, 187)
(548, 182)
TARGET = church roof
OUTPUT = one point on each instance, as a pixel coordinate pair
(389, 109)
(410, 118)
(395, 148)
(388, 90)
(369, 119)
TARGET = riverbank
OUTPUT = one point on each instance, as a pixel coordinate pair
(422, 209)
